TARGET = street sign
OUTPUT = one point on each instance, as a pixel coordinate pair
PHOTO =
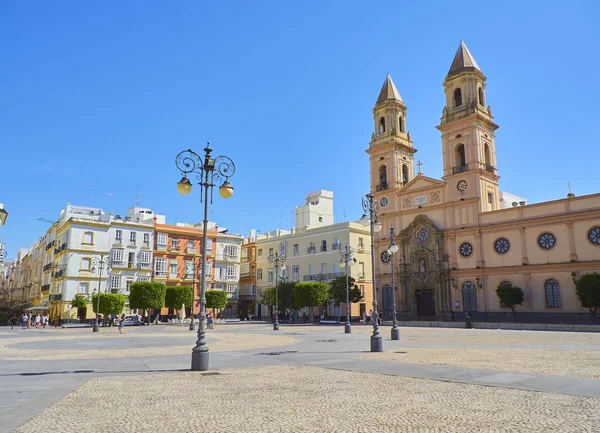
(70, 307)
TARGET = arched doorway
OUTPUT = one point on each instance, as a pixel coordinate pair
(425, 302)
(469, 293)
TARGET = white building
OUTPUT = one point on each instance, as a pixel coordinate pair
(227, 267)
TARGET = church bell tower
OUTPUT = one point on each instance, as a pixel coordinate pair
(468, 142)
(391, 149)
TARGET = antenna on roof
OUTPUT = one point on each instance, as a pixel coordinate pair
(93, 190)
(138, 196)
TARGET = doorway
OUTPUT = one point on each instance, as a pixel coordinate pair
(425, 303)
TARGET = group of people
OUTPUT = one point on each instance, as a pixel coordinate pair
(30, 320)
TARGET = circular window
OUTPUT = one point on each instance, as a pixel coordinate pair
(466, 249)
(385, 257)
(546, 241)
(594, 235)
(422, 234)
(462, 185)
(502, 245)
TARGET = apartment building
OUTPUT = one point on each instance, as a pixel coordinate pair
(312, 252)
(227, 268)
(247, 291)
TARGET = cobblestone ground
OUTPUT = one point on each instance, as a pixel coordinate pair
(308, 399)
(578, 363)
(224, 342)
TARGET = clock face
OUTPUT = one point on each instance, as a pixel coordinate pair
(385, 257)
(462, 185)
(383, 202)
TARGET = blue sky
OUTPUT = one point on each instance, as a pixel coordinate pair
(109, 92)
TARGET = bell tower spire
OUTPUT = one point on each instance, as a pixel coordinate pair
(467, 127)
(390, 150)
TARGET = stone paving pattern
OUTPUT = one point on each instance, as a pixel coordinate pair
(308, 399)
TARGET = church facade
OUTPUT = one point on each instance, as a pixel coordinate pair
(457, 244)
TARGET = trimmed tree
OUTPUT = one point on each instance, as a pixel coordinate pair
(79, 301)
(216, 299)
(509, 297)
(310, 294)
(110, 303)
(285, 296)
(588, 292)
(147, 295)
(176, 296)
(337, 292)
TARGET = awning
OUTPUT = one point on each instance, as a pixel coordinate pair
(36, 308)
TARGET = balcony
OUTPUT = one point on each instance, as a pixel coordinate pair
(311, 250)
(50, 245)
(335, 246)
(460, 169)
(382, 186)
(323, 277)
(61, 248)
(161, 247)
(130, 265)
(118, 263)
(190, 250)
(48, 266)
(490, 168)
(146, 266)
(119, 241)
(58, 274)
(45, 287)
(161, 274)
(55, 297)
(323, 249)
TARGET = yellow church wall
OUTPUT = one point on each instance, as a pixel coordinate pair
(585, 249)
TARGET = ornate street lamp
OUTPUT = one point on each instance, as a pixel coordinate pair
(371, 218)
(208, 171)
(346, 261)
(392, 250)
(99, 264)
(278, 261)
(3, 252)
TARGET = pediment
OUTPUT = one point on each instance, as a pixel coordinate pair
(421, 182)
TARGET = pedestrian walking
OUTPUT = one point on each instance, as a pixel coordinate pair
(121, 321)
(364, 317)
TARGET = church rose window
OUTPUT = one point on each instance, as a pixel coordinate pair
(594, 235)
(422, 234)
(466, 249)
(502, 245)
(546, 241)
(385, 257)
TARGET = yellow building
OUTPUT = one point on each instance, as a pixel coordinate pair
(457, 243)
(312, 252)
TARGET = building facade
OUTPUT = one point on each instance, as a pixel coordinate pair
(458, 241)
(247, 291)
(227, 269)
(312, 253)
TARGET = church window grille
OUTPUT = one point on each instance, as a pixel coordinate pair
(546, 241)
(461, 159)
(401, 124)
(422, 234)
(594, 235)
(469, 293)
(382, 125)
(552, 293)
(501, 245)
(481, 100)
(466, 249)
(458, 97)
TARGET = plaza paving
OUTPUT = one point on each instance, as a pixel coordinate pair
(300, 379)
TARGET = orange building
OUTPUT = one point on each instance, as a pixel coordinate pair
(178, 258)
(247, 296)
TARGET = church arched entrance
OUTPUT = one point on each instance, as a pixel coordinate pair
(388, 302)
(425, 302)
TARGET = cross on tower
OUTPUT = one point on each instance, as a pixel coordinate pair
(419, 164)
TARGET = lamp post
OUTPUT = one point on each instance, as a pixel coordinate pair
(346, 261)
(192, 327)
(371, 218)
(99, 264)
(392, 250)
(208, 171)
(277, 260)
(320, 278)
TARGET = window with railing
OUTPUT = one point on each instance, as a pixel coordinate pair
(295, 272)
(189, 269)
(271, 274)
(117, 257)
(311, 248)
(160, 266)
(173, 269)
(296, 250)
(361, 243)
(146, 239)
(118, 236)
(259, 275)
(336, 244)
(323, 245)
(132, 238)
(174, 244)
(115, 281)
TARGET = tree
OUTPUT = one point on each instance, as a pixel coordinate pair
(310, 294)
(285, 296)
(588, 292)
(509, 296)
(146, 295)
(216, 299)
(110, 303)
(337, 292)
(176, 296)
(79, 301)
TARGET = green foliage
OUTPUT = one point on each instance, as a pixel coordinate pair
(509, 296)
(588, 291)
(285, 295)
(79, 301)
(110, 303)
(310, 294)
(147, 295)
(216, 299)
(337, 292)
(176, 296)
